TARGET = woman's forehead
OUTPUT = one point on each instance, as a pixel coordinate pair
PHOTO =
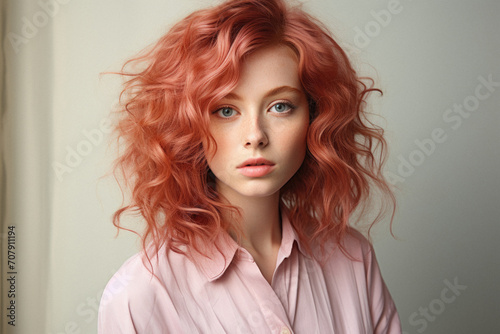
(268, 69)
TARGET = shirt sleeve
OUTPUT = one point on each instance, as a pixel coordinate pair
(136, 302)
(115, 315)
(383, 310)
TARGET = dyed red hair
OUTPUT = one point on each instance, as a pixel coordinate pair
(166, 116)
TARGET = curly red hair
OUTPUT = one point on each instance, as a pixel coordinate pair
(166, 117)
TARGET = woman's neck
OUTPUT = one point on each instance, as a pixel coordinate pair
(261, 222)
(261, 228)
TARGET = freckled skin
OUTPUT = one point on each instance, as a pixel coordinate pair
(265, 116)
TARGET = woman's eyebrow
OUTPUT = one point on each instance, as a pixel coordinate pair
(272, 92)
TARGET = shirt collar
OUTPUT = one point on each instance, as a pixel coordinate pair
(216, 257)
(288, 235)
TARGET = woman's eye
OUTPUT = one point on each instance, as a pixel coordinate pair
(281, 107)
(225, 112)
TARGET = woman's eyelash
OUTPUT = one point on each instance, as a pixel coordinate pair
(221, 109)
(288, 105)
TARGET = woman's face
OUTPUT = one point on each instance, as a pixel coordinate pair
(260, 127)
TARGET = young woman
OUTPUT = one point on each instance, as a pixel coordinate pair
(248, 153)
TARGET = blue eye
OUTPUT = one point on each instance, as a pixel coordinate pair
(225, 112)
(281, 107)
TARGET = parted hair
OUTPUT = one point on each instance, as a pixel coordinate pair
(164, 116)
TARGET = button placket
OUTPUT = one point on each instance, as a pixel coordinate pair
(285, 330)
(271, 306)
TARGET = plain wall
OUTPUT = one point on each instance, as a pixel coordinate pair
(431, 59)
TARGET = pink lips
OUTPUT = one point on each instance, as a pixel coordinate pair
(256, 167)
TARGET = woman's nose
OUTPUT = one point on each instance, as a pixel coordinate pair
(254, 134)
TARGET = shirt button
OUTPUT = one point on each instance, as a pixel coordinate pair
(285, 330)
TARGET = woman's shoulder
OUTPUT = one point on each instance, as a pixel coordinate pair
(141, 274)
(353, 254)
(143, 292)
(353, 245)
(132, 280)
(357, 240)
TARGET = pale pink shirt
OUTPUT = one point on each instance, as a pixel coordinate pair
(228, 294)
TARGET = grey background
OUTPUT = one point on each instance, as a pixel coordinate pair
(426, 58)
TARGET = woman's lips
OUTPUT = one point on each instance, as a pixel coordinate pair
(256, 171)
(256, 161)
(256, 167)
